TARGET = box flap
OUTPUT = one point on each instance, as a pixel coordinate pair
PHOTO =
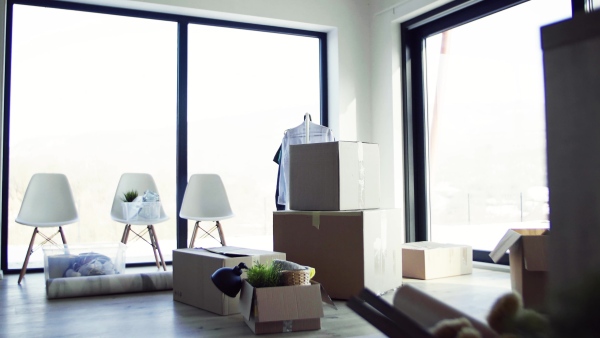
(511, 237)
(288, 303)
(246, 297)
(325, 296)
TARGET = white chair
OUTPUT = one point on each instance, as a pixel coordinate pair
(205, 199)
(48, 202)
(139, 182)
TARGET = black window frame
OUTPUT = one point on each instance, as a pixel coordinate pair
(413, 34)
(182, 67)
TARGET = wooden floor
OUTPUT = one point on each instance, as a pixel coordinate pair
(25, 311)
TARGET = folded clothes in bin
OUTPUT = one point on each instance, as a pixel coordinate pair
(84, 260)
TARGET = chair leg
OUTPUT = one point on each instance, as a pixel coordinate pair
(194, 233)
(125, 233)
(62, 235)
(156, 247)
(221, 235)
(29, 252)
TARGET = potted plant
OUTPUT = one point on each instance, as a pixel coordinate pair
(130, 209)
(264, 275)
(129, 196)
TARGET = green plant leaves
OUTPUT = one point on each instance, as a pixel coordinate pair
(264, 275)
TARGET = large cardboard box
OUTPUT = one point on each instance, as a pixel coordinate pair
(429, 260)
(281, 309)
(334, 176)
(192, 269)
(528, 263)
(349, 250)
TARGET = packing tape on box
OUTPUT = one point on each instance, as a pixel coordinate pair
(316, 219)
(316, 215)
(361, 176)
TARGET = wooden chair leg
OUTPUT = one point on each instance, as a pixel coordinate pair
(29, 252)
(156, 247)
(194, 233)
(125, 233)
(221, 235)
(62, 235)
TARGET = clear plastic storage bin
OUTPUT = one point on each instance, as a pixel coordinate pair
(84, 260)
(137, 211)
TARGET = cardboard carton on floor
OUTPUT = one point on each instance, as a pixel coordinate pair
(528, 263)
(334, 176)
(349, 250)
(413, 314)
(429, 260)
(192, 269)
(281, 309)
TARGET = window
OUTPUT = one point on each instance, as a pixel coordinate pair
(96, 92)
(92, 96)
(477, 116)
(245, 89)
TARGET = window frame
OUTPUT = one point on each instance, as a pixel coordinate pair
(413, 34)
(181, 164)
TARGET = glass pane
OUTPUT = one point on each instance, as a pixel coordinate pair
(245, 89)
(487, 147)
(92, 96)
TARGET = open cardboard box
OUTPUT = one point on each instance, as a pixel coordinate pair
(528, 263)
(412, 314)
(282, 308)
(192, 269)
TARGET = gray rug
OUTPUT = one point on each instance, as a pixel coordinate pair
(108, 284)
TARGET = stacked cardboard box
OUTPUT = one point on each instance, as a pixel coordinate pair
(335, 224)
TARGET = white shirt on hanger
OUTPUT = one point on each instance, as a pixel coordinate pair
(297, 135)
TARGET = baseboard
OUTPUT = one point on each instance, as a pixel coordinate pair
(491, 266)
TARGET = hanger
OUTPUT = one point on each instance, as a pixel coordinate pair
(307, 127)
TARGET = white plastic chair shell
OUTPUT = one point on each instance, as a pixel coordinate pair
(205, 199)
(139, 182)
(48, 202)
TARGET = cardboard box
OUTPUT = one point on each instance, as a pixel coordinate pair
(420, 309)
(281, 309)
(412, 314)
(349, 250)
(528, 263)
(429, 260)
(192, 269)
(84, 260)
(334, 176)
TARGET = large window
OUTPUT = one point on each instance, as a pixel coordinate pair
(245, 89)
(92, 96)
(96, 92)
(477, 116)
